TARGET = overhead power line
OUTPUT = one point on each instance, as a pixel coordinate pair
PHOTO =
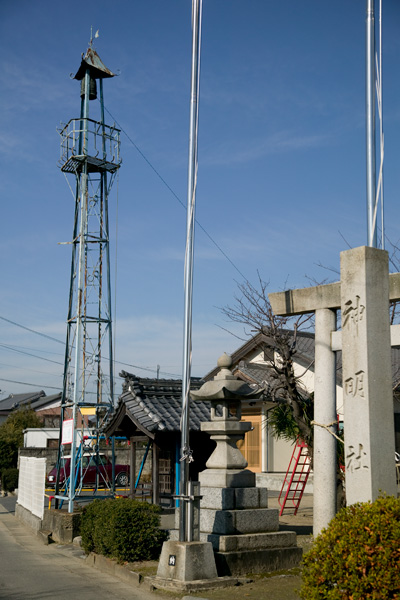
(49, 337)
(31, 370)
(152, 167)
(36, 385)
(30, 354)
(146, 369)
(17, 349)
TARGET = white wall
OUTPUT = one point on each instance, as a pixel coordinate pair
(31, 484)
(37, 438)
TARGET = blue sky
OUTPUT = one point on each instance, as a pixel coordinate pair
(281, 179)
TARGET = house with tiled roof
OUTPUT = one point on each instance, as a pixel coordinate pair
(251, 362)
(264, 453)
(46, 407)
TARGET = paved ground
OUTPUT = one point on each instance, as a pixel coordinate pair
(302, 522)
(32, 571)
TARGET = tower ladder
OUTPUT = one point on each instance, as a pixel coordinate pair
(296, 478)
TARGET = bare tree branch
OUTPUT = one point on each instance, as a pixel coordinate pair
(252, 308)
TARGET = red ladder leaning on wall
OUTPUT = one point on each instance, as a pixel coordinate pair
(296, 478)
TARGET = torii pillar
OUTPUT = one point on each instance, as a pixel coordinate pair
(363, 295)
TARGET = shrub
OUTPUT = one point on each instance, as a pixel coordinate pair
(8, 455)
(9, 479)
(358, 556)
(12, 435)
(125, 529)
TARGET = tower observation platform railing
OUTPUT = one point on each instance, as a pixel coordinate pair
(85, 140)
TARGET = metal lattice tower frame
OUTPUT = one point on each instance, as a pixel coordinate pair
(90, 152)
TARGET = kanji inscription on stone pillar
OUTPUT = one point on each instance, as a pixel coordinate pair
(367, 377)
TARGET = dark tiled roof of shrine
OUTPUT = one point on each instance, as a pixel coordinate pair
(155, 404)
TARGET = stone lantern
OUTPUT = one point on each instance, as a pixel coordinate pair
(226, 467)
(234, 513)
(235, 526)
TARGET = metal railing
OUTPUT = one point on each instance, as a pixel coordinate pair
(86, 137)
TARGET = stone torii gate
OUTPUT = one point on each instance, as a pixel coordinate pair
(363, 295)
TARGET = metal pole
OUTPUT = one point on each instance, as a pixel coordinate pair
(370, 124)
(381, 127)
(81, 280)
(187, 342)
(105, 233)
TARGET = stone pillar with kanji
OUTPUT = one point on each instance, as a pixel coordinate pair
(367, 377)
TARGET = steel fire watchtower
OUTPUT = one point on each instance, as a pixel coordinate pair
(90, 151)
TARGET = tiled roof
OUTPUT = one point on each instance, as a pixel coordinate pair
(45, 400)
(260, 374)
(305, 345)
(261, 341)
(14, 401)
(155, 404)
(305, 351)
(254, 372)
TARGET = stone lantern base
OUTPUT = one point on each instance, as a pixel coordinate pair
(244, 532)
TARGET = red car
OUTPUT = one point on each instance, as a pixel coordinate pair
(88, 470)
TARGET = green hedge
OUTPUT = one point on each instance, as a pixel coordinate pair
(124, 529)
(9, 479)
(358, 556)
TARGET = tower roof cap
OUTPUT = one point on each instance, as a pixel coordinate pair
(98, 70)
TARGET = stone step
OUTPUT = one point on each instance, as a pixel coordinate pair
(45, 536)
(257, 561)
(252, 541)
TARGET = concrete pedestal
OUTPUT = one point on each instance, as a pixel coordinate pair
(187, 561)
(188, 566)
